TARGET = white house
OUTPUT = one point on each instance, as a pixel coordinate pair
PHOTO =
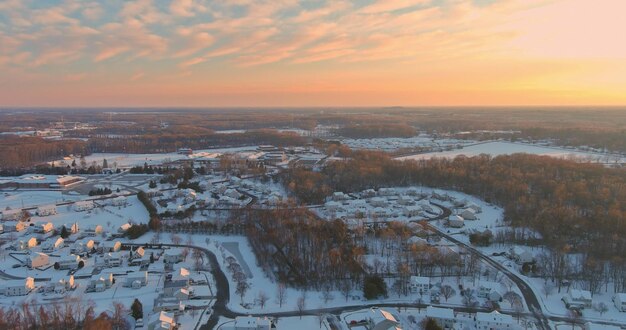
(162, 321)
(619, 299)
(406, 200)
(81, 206)
(495, 320)
(46, 210)
(386, 192)
(97, 230)
(475, 207)
(415, 240)
(124, 228)
(252, 323)
(339, 196)
(456, 221)
(468, 214)
(49, 246)
(380, 319)
(333, 206)
(520, 255)
(11, 214)
(99, 283)
(60, 284)
(378, 202)
(110, 246)
(67, 262)
(172, 256)
(26, 243)
(38, 259)
(14, 226)
(84, 246)
(490, 290)
(17, 287)
(44, 228)
(577, 299)
(113, 259)
(411, 211)
(444, 317)
(72, 228)
(136, 279)
(419, 284)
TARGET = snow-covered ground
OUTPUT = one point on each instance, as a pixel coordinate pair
(497, 148)
(391, 144)
(31, 198)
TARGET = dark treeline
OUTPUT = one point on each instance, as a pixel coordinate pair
(376, 131)
(164, 142)
(570, 204)
(28, 151)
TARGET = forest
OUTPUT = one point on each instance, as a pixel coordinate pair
(574, 205)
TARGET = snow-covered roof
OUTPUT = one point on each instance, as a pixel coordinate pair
(439, 313)
(580, 294)
(494, 317)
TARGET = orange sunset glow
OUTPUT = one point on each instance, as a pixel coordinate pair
(312, 53)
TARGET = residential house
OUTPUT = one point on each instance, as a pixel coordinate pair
(113, 259)
(444, 317)
(81, 206)
(67, 262)
(577, 299)
(495, 321)
(119, 201)
(411, 211)
(380, 319)
(99, 283)
(17, 287)
(46, 210)
(17, 226)
(406, 200)
(37, 259)
(333, 206)
(416, 241)
(419, 284)
(378, 202)
(456, 221)
(172, 256)
(468, 214)
(49, 246)
(44, 228)
(60, 284)
(339, 196)
(475, 207)
(252, 323)
(490, 290)
(11, 214)
(26, 243)
(597, 326)
(124, 228)
(110, 246)
(162, 321)
(136, 280)
(521, 255)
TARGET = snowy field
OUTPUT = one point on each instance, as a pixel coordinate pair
(129, 160)
(497, 148)
(391, 144)
(31, 198)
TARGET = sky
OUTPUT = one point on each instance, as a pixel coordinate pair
(229, 53)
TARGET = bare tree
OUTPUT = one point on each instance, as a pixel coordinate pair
(327, 293)
(242, 288)
(301, 304)
(601, 308)
(281, 294)
(346, 289)
(263, 298)
(175, 239)
(447, 292)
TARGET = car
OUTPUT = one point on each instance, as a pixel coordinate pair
(17, 266)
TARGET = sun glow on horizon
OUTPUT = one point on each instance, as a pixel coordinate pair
(320, 53)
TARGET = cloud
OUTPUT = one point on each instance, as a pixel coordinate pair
(186, 8)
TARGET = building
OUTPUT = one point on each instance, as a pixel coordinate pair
(444, 317)
(113, 259)
(123, 228)
(252, 323)
(46, 210)
(380, 319)
(30, 181)
(11, 214)
(38, 259)
(49, 246)
(60, 284)
(162, 321)
(378, 202)
(339, 196)
(26, 243)
(14, 226)
(99, 283)
(17, 287)
(577, 299)
(494, 321)
(419, 284)
(44, 228)
(67, 263)
(456, 221)
(110, 246)
(468, 214)
(405, 200)
(173, 256)
(619, 299)
(411, 211)
(81, 206)
(521, 255)
(490, 290)
(136, 280)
